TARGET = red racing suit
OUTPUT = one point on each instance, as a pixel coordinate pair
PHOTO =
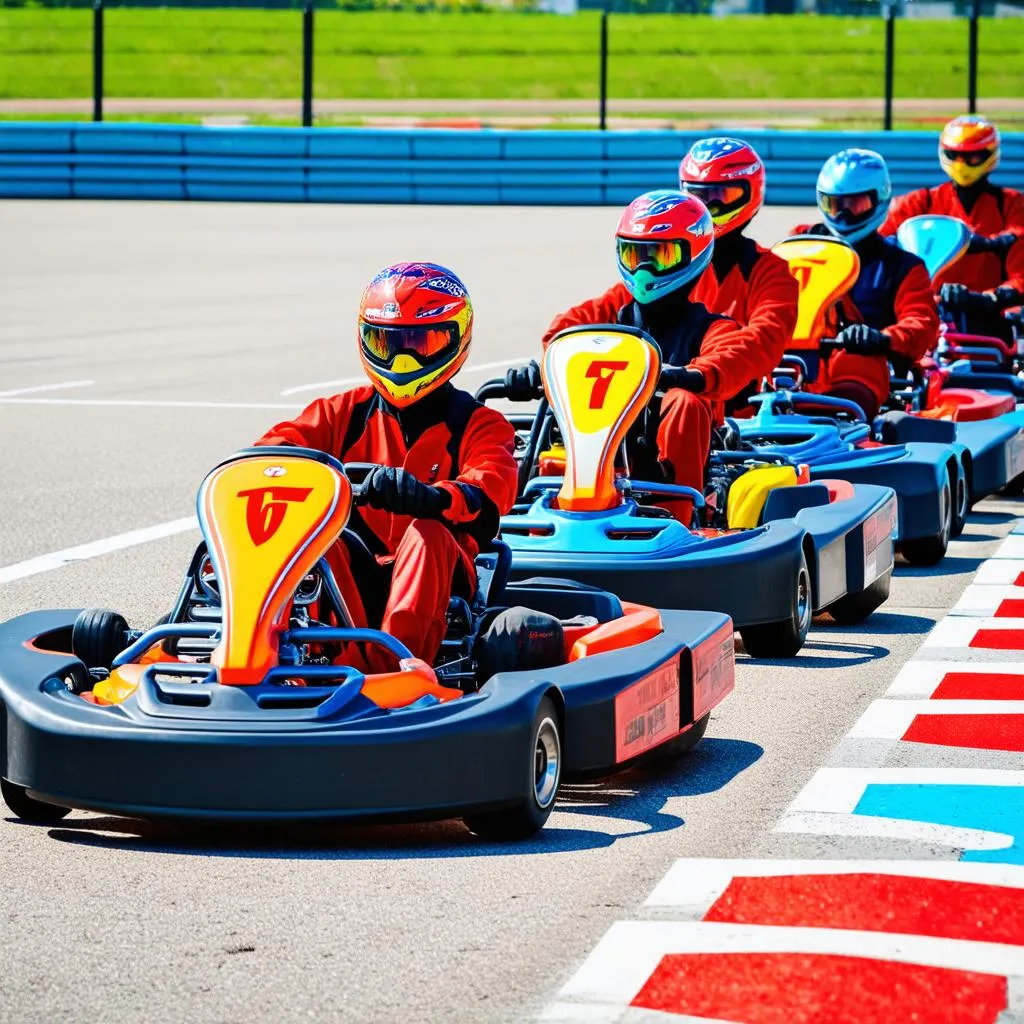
(987, 210)
(393, 570)
(892, 293)
(691, 336)
(756, 289)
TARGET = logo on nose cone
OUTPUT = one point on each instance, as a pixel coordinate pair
(266, 507)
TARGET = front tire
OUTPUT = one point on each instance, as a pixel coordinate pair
(855, 608)
(98, 637)
(785, 638)
(926, 551)
(29, 809)
(542, 774)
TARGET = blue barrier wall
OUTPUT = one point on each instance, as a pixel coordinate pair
(355, 165)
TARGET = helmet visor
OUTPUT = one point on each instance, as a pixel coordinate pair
(851, 209)
(660, 257)
(973, 157)
(382, 344)
(720, 198)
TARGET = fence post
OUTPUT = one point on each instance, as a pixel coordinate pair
(307, 65)
(97, 60)
(972, 58)
(604, 70)
(890, 59)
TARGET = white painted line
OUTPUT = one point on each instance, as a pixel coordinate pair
(345, 382)
(890, 719)
(58, 559)
(983, 599)
(139, 403)
(698, 882)
(628, 954)
(1000, 571)
(959, 631)
(920, 679)
(1012, 547)
(860, 826)
(47, 387)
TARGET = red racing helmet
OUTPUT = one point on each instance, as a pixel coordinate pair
(664, 240)
(969, 149)
(727, 176)
(415, 326)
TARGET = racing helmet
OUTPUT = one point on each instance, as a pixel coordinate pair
(727, 176)
(664, 241)
(854, 192)
(415, 326)
(969, 149)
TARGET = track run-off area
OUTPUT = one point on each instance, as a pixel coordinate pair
(847, 843)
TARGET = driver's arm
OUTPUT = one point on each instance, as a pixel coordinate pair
(724, 359)
(917, 320)
(321, 425)
(771, 312)
(601, 310)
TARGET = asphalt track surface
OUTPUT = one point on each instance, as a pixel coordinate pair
(190, 320)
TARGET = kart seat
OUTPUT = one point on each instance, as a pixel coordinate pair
(748, 494)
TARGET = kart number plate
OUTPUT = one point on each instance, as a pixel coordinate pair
(647, 713)
(879, 536)
(714, 671)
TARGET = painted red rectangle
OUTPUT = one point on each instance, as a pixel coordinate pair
(999, 639)
(647, 713)
(980, 686)
(876, 903)
(1011, 608)
(976, 732)
(714, 670)
(818, 988)
(1019, 581)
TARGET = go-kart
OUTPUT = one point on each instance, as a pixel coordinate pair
(969, 359)
(988, 447)
(245, 705)
(782, 550)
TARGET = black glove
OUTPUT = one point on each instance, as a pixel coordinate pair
(1007, 297)
(523, 383)
(862, 340)
(960, 298)
(681, 377)
(398, 491)
(999, 244)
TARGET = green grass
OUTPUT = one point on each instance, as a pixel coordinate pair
(45, 53)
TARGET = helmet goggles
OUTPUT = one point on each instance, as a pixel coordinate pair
(721, 198)
(382, 344)
(660, 257)
(848, 210)
(971, 157)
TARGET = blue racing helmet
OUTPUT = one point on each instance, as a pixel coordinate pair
(854, 192)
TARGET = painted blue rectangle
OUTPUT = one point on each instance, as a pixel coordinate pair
(29, 170)
(367, 144)
(35, 138)
(360, 194)
(455, 194)
(35, 188)
(86, 189)
(435, 143)
(102, 138)
(553, 145)
(244, 193)
(245, 141)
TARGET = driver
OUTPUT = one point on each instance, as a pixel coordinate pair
(755, 287)
(664, 243)
(890, 310)
(990, 275)
(445, 469)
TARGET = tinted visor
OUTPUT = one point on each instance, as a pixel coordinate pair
(973, 158)
(659, 257)
(720, 198)
(851, 209)
(382, 344)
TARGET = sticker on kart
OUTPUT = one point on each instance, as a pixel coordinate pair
(879, 537)
(647, 713)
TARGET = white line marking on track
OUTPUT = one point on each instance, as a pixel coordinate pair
(348, 381)
(628, 954)
(920, 679)
(695, 882)
(960, 630)
(983, 599)
(47, 387)
(1002, 571)
(890, 719)
(140, 403)
(1012, 547)
(58, 559)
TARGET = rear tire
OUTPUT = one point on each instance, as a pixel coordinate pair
(542, 774)
(855, 608)
(961, 507)
(925, 551)
(98, 636)
(785, 638)
(29, 809)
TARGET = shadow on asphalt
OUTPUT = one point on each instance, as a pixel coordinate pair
(951, 565)
(624, 806)
(846, 655)
(881, 622)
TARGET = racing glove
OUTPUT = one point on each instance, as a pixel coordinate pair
(681, 377)
(999, 244)
(523, 383)
(862, 340)
(960, 297)
(398, 491)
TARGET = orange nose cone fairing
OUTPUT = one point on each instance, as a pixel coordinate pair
(598, 381)
(267, 522)
(825, 269)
